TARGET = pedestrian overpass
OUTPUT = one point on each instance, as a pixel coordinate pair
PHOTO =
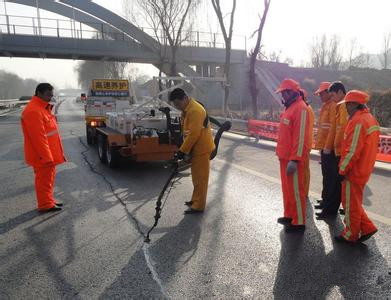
(92, 32)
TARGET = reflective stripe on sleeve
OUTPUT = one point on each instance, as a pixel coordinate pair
(353, 147)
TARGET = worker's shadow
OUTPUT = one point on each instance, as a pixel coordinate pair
(172, 251)
(305, 270)
(15, 222)
(359, 270)
(301, 268)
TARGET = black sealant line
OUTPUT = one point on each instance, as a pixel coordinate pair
(92, 168)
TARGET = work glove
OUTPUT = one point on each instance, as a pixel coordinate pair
(179, 155)
(341, 177)
(291, 167)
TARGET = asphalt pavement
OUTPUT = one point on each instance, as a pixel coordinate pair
(94, 248)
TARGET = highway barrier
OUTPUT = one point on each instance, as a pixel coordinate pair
(269, 130)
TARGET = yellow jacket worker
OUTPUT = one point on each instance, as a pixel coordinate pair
(198, 142)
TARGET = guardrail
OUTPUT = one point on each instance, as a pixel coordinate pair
(269, 130)
(259, 129)
(10, 103)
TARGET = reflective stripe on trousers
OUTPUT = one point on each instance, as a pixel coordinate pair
(293, 192)
(356, 220)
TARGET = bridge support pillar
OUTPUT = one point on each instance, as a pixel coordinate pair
(212, 70)
(205, 70)
(199, 70)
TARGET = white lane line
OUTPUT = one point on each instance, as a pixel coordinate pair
(372, 215)
(155, 275)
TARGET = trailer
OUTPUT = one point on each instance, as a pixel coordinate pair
(150, 131)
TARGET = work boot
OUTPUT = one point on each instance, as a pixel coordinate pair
(190, 211)
(284, 221)
(54, 208)
(365, 237)
(189, 203)
(295, 228)
(341, 239)
(324, 215)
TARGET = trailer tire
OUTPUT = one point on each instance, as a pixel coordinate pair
(113, 156)
(102, 141)
(90, 137)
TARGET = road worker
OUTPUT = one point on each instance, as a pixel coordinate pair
(325, 142)
(42, 145)
(332, 201)
(311, 116)
(198, 143)
(292, 151)
(358, 156)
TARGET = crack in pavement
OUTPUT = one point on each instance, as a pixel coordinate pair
(145, 247)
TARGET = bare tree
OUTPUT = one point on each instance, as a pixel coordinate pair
(254, 54)
(12, 86)
(334, 53)
(89, 70)
(384, 56)
(170, 22)
(319, 52)
(326, 53)
(227, 34)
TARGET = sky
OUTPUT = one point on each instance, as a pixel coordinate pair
(290, 28)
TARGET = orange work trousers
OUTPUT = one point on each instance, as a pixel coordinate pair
(293, 192)
(200, 165)
(307, 176)
(356, 220)
(44, 186)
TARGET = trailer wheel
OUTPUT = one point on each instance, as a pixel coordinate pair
(102, 148)
(113, 156)
(90, 137)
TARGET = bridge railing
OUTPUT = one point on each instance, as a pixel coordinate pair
(68, 28)
(10, 103)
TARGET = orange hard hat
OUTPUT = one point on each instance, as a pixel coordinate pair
(288, 84)
(356, 96)
(324, 86)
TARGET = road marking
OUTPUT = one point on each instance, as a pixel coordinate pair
(155, 275)
(312, 194)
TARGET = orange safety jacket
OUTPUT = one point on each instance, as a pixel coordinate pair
(197, 139)
(42, 141)
(359, 147)
(326, 126)
(341, 121)
(293, 133)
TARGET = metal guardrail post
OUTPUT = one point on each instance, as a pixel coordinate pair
(58, 28)
(8, 23)
(102, 31)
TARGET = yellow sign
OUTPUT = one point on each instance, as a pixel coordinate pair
(110, 85)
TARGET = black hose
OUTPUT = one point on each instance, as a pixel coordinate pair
(223, 127)
(158, 207)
